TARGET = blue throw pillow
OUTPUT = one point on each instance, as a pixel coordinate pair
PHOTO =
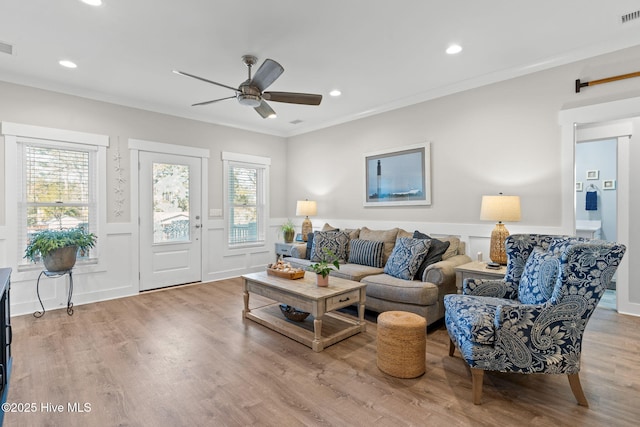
(307, 255)
(406, 257)
(366, 252)
(539, 277)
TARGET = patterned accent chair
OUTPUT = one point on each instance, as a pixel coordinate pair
(532, 321)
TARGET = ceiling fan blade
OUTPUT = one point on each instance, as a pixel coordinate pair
(182, 73)
(265, 110)
(211, 102)
(293, 97)
(268, 72)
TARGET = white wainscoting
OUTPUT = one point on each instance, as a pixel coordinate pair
(475, 236)
(113, 277)
(116, 275)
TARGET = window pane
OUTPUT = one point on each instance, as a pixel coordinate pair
(170, 203)
(244, 182)
(57, 190)
(56, 175)
(243, 225)
(243, 210)
(57, 217)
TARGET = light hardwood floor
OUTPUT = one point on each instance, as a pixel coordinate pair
(185, 357)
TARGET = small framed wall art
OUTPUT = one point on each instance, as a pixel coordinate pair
(593, 174)
(579, 186)
(609, 184)
(398, 177)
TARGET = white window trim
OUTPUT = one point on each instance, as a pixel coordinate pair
(15, 133)
(263, 162)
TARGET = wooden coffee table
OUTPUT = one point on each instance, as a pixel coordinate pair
(324, 327)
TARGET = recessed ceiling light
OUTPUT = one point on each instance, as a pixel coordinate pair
(272, 116)
(68, 64)
(93, 2)
(335, 92)
(453, 49)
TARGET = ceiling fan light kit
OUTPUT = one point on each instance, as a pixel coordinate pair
(251, 91)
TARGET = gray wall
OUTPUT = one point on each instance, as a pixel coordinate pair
(26, 105)
(503, 137)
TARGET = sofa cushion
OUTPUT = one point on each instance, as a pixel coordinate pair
(366, 252)
(436, 250)
(539, 277)
(354, 233)
(406, 257)
(389, 288)
(404, 233)
(452, 250)
(386, 236)
(327, 227)
(335, 241)
(355, 272)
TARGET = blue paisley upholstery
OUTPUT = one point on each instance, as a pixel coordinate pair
(406, 257)
(532, 321)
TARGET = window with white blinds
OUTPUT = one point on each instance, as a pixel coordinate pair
(246, 185)
(58, 188)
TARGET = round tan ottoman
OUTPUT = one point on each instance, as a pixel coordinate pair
(402, 342)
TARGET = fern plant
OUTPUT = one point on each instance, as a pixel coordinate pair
(42, 243)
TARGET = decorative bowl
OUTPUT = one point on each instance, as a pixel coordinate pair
(293, 313)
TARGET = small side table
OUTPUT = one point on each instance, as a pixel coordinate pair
(284, 249)
(54, 274)
(477, 270)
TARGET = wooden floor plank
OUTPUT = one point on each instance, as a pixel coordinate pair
(185, 356)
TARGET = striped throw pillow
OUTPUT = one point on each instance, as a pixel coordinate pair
(366, 252)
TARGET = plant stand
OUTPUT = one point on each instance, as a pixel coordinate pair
(55, 274)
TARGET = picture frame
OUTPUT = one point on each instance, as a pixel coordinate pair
(579, 186)
(398, 177)
(593, 174)
(609, 184)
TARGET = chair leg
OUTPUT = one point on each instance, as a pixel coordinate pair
(576, 388)
(452, 347)
(477, 376)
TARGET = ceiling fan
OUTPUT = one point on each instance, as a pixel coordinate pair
(251, 91)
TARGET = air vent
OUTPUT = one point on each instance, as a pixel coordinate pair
(6, 48)
(296, 121)
(630, 16)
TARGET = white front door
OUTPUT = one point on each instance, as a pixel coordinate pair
(170, 220)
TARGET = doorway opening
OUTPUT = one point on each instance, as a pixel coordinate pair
(596, 207)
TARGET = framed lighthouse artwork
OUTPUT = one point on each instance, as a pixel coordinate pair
(398, 177)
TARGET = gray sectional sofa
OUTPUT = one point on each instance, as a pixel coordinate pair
(386, 261)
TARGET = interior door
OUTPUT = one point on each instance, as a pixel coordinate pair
(170, 220)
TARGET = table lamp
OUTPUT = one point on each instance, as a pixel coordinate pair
(499, 208)
(305, 208)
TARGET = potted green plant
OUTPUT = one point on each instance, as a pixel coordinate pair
(322, 268)
(58, 248)
(288, 230)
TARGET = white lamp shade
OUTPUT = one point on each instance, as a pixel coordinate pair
(500, 208)
(306, 208)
